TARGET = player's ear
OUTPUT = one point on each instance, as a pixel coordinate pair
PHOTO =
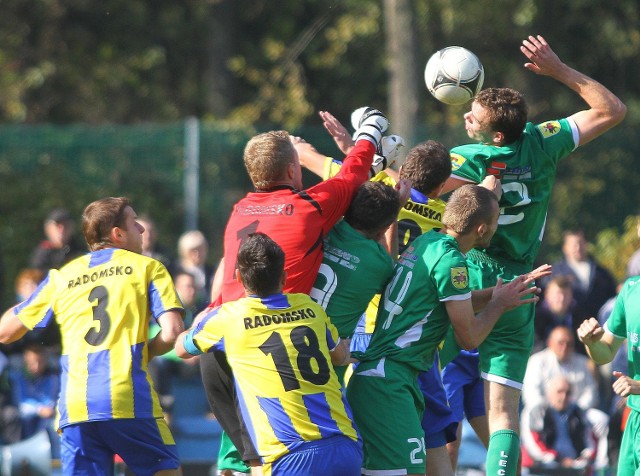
(498, 138)
(238, 278)
(117, 235)
(482, 229)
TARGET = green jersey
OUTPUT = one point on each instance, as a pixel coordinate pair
(353, 270)
(624, 322)
(413, 319)
(527, 169)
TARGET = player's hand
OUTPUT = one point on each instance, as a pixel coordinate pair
(590, 331)
(493, 183)
(403, 187)
(540, 272)
(625, 385)
(514, 294)
(542, 59)
(371, 126)
(391, 147)
(336, 130)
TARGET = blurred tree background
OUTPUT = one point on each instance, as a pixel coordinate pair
(242, 66)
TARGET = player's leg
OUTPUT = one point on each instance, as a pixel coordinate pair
(387, 408)
(439, 421)
(218, 382)
(630, 447)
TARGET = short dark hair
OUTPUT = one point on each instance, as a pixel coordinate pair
(427, 165)
(468, 207)
(507, 111)
(100, 217)
(374, 207)
(260, 264)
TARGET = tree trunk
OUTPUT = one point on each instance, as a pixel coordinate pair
(403, 77)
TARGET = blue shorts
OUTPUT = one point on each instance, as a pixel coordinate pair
(464, 386)
(438, 422)
(144, 444)
(335, 456)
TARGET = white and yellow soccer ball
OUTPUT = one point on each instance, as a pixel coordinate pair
(454, 75)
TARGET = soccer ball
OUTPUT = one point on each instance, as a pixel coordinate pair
(454, 75)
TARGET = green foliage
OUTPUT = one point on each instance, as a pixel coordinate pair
(614, 248)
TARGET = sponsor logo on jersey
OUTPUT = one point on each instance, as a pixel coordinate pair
(284, 317)
(460, 277)
(99, 275)
(456, 161)
(549, 129)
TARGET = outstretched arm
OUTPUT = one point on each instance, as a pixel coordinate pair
(605, 109)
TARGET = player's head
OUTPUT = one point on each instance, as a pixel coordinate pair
(472, 209)
(574, 246)
(111, 223)
(374, 207)
(271, 160)
(261, 265)
(498, 116)
(428, 166)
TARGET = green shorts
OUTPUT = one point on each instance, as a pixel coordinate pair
(505, 351)
(630, 447)
(387, 409)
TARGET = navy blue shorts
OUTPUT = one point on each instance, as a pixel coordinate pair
(144, 444)
(464, 386)
(439, 423)
(335, 456)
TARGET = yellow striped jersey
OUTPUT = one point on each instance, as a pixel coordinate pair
(102, 302)
(278, 347)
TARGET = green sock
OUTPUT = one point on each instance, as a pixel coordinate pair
(503, 453)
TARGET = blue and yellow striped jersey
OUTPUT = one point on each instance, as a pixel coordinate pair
(102, 302)
(278, 348)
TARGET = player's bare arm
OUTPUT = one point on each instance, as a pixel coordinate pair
(11, 328)
(171, 325)
(471, 329)
(600, 345)
(605, 109)
(309, 157)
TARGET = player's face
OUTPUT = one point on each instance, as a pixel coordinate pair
(491, 228)
(476, 124)
(132, 231)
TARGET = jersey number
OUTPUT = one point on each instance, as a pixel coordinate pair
(93, 336)
(323, 296)
(522, 192)
(408, 230)
(306, 343)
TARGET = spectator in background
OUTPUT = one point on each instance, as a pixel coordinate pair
(592, 284)
(34, 389)
(10, 424)
(559, 358)
(192, 258)
(60, 246)
(150, 246)
(555, 309)
(556, 432)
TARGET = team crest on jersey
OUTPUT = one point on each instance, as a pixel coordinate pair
(549, 129)
(460, 277)
(456, 161)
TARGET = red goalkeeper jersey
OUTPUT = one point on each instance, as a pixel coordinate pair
(296, 220)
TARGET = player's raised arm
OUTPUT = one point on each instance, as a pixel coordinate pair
(605, 109)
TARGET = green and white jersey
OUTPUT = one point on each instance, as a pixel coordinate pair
(527, 169)
(624, 322)
(354, 266)
(413, 320)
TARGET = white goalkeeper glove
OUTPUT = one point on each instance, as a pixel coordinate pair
(389, 150)
(371, 125)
